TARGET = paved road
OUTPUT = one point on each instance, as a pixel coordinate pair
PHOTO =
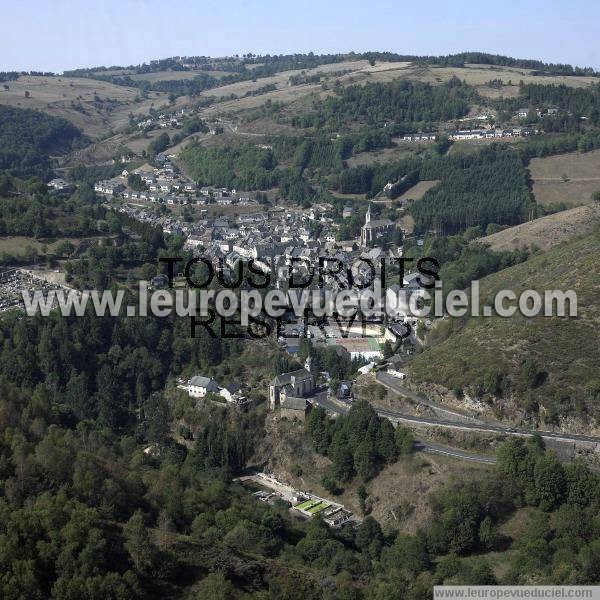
(393, 383)
(562, 437)
(337, 407)
(384, 379)
(454, 452)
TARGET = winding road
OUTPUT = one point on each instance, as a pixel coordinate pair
(461, 422)
(474, 425)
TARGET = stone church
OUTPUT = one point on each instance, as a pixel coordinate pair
(374, 230)
(290, 392)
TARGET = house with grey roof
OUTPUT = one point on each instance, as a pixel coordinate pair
(199, 386)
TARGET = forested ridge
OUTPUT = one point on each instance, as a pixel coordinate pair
(578, 107)
(269, 64)
(112, 483)
(27, 209)
(489, 186)
(400, 101)
(83, 507)
(546, 370)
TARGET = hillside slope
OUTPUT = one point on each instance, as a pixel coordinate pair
(542, 370)
(93, 106)
(547, 231)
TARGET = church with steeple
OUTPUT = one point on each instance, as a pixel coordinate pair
(374, 230)
(292, 393)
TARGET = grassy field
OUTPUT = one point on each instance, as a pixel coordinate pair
(360, 72)
(547, 231)
(104, 150)
(564, 351)
(317, 508)
(73, 98)
(300, 98)
(570, 178)
(416, 192)
(356, 72)
(472, 146)
(16, 244)
(307, 504)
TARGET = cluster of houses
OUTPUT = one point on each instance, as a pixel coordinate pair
(488, 132)
(280, 237)
(109, 187)
(476, 134)
(162, 120)
(420, 137)
(525, 113)
(274, 238)
(473, 134)
(164, 184)
(206, 387)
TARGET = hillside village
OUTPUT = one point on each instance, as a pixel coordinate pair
(273, 237)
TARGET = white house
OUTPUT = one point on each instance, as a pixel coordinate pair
(199, 386)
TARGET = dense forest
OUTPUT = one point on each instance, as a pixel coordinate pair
(29, 137)
(84, 507)
(400, 100)
(27, 209)
(115, 484)
(243, 166)
(483, 58)
(174, 87)
(462, 259)
(489, 187)
(370, 179)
